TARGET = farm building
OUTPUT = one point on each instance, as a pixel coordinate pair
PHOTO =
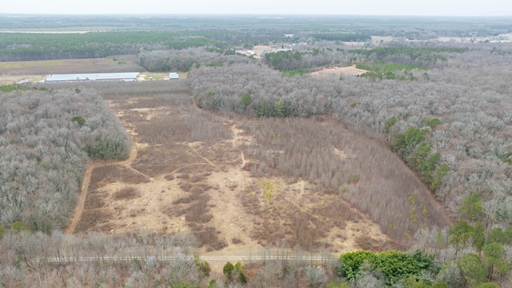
(174, 76)
(120, 77)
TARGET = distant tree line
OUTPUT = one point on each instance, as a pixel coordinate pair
(29, 46)
(343, 37)
(186, 59)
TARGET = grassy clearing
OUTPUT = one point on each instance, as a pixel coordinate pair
(379, 66)
(10, 65)
(291, 73)
(10, 79)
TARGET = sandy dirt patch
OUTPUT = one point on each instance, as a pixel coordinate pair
(350, 70)
(381, 39)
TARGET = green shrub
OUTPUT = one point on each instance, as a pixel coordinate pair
(231, 272)
(472, 207)
(389, 123)
(18, 226)
(12, 87)
(227, 270)
(183, 284)
(295, 72)
(407, 142)
(79, 120)
(213, 284)
(472, 269)
(336, 284)
(2, 230)
(395, 266)
(432, 123)
(436, 182)
(214, 64)
(246, 99)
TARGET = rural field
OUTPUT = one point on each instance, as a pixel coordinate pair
(204, 174)
(11, 72)
(349, 70)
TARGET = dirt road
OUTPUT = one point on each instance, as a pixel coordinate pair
(77, 214)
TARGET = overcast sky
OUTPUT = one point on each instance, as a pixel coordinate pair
(332, 7)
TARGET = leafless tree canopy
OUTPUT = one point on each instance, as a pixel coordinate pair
(46, 138)
(470, 96)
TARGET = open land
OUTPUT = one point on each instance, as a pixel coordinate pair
(192, 170)
(350, 70)
(11, 72)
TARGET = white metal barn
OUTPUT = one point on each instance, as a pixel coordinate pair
(119, 77)
(174, 76)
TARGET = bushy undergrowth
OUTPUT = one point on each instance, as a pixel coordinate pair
(46, 138)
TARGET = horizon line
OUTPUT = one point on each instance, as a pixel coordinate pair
(249, 14)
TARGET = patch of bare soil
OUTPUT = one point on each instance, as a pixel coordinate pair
(350, 70)
(192, 170)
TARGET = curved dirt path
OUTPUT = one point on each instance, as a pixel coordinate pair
(77, 214)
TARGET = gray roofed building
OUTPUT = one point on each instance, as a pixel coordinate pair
(121, 77)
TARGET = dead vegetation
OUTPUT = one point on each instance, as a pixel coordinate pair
(240, 184)
(127, 193)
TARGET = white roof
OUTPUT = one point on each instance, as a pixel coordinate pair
(174, 75)
(92, 76)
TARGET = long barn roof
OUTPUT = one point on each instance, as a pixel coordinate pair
(92, 76)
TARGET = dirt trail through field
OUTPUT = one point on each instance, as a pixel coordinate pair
(77, 214)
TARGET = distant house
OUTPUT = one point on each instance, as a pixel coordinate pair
(174, 76)
(105, 77)
(288, 35)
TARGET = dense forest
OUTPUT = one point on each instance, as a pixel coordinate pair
(46, 139)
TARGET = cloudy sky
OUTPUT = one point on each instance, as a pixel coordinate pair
(332, 7)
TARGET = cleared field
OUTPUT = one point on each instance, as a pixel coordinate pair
(383, 39)
(15, 71)
(221, 177)
(195, 171)
(350, 70)
(10, 79)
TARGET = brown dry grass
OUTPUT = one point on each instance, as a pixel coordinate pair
(243, 184)
(127, 193)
